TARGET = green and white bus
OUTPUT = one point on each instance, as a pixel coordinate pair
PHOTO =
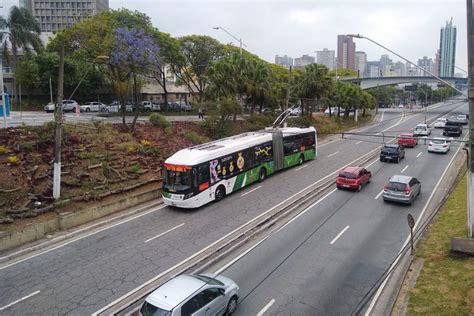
(198, 175)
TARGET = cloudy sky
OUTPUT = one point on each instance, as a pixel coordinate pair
(408, 27)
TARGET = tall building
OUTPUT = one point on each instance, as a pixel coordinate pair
(436, 64)
(447, 49)
(303, 61)
(372, 69)
(284, 61)
(386, 65)
(327, 58)
(399, 69)
(427, 64)
(361, 62)
(345, 52)
(55, 15)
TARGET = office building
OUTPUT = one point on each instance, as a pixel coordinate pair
(447, 49)
(56, 15)
(372, 69)
(284, 61)
(385, 65)
(303, 61)
(399, 69)
(327, 58)
(436, 64)
(345, 52)
(360, 62)
(427, 64)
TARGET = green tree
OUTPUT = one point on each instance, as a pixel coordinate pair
(343, 73)
(314, 84)
(22, 32)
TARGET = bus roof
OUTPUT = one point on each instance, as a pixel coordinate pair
(204, 152)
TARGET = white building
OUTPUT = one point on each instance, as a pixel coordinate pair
(361, 62)
(327, 58)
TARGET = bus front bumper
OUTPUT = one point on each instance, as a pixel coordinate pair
(188, 203)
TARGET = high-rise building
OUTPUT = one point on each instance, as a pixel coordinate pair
(55, 15)
(360, 62)
(399, 69)
(386, 65)
(284, 61)
(303, 61)
(447, 49)
(436, 64)
(372, 69)
(345, 52)
(327, 58)
(427, 64)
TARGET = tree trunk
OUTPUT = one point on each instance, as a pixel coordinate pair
(165, 90)
(135, 98)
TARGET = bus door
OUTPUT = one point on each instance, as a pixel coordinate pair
(277, 140)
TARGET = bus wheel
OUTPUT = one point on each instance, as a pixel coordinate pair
(262, 175)
(220, 193)
(301, 160)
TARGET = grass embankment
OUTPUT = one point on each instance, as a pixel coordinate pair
(446, 283)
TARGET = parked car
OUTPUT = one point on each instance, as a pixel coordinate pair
(49, 108)
(401, 106)
(392, 153)
(353, 178)
(114, 107)
(440, 123)
(149, 106)
(463, 119)
(295, 111)
(334, 110)
(93, 106)
(267, 111)
(130, 107)
(439, 145)
(422, 130)
(402, 189)
(452, 128)
(69, 105)
(407, 139)
(201, 294)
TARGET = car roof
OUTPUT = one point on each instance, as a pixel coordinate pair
(407, 133)
(421, 124)
(391, 145)
(175, 291)
(400, 178)
(352, 169)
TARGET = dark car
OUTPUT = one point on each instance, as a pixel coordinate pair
(353, 178)
(392, 153)
(452, 128)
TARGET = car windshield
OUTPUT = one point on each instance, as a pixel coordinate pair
(151, 310)
(389, 150)
(396, 186)
(421, 127)
(207, 279)
(347, 175)
(177, 181)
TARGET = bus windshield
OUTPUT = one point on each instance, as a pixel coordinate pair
(177, 181)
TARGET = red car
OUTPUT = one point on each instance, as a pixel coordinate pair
(407, 140)
(353, 178)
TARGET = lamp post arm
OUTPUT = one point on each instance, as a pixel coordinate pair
(80, 81)
(391, 51)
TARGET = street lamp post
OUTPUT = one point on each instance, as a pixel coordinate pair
(231, 35)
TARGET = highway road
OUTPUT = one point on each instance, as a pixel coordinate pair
(82, 275)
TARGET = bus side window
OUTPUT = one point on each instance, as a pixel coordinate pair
(203, 174)
(288, 145)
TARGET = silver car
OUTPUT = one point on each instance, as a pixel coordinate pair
(402, 189)
(193, 294)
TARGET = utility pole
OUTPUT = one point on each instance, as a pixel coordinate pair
(59, 126)
(470, 176)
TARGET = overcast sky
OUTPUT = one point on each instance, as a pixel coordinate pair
(297, 27)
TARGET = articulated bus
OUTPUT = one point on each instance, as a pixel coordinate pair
(208, 172)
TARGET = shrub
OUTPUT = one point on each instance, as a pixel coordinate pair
(194, 137)
(159, 120)
(168, 130)
(13, 160)
(26, 147)
(3, 149)
(257, 122)
(301, 121)
(135, 168)
(216, 128)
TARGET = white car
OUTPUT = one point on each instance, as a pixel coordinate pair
(422, 130)
(440, 123)
(49, 108)
(69, 105)
(401, 106)
(94, 107)
(149, 106)
(295, 111)
(439, 145)
(334, 110)
(463, 119)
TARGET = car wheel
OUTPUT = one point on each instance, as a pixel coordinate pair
(262, 174)
(368, 181)
(411, 201)
(231, 306)
(220, 193)
(88, 110)
(338, 187)
(301, 160)
(381, 159)
(359, 188)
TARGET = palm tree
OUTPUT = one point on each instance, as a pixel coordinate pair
(315, 83)
(20, 31)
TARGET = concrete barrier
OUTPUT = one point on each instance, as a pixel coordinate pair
(462, 245)
(67, 220)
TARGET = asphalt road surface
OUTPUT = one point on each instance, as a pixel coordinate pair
(82, 275)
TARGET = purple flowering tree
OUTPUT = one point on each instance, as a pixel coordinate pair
(134, 55)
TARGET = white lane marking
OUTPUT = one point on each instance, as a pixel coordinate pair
(164, 233)
(381, 116)
(82, 237)
(339, 235)
(403, 170)
(358, 142)
(298, 169)
(370, 164)
(334, 153)
(378, 195)
(419, 154)
(394, 263)
(264, 309)
(244, 194)
(17, 301)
